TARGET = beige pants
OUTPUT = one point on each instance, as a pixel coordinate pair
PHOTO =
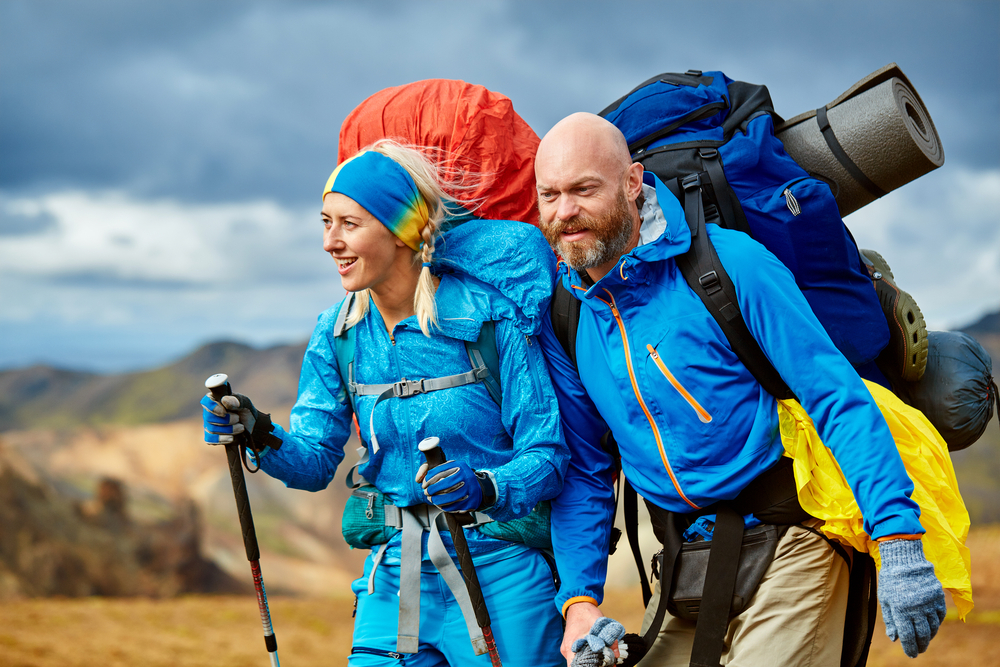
(795, 619)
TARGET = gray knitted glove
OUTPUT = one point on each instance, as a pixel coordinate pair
(911, 596)
(594, 650)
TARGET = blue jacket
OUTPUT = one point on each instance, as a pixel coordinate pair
(489, 270)
(692, 424)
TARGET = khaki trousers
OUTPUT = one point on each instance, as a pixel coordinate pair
(795, 619)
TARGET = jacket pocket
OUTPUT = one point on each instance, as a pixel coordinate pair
(701, 412)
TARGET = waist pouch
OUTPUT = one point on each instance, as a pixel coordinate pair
(365, 525)
(691, 567)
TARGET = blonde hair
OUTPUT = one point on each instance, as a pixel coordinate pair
(439, 184)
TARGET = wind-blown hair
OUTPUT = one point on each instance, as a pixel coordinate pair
(439, 185)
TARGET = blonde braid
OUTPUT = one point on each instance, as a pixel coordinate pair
(424, 304)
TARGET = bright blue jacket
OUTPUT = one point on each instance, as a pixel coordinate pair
(489, 270)
(703, 435)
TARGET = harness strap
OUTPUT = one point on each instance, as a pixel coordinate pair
(375, 564)
(729, 205)
(415, 520)
(717, 595)
(408, 633)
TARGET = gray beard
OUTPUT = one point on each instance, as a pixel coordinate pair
(601, 251)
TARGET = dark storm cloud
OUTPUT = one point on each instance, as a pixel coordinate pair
(217, 101)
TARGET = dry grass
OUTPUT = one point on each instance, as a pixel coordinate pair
(190, 631)
(195, 631)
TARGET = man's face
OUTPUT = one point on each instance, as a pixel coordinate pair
(595, 232)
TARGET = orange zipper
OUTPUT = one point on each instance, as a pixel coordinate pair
(642, 403)
(702, 413)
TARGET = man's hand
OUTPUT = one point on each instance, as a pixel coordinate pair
(911, 596)
(580, 617)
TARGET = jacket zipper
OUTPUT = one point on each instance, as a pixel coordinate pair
(642, 403)
(792, 202)
(701, 412)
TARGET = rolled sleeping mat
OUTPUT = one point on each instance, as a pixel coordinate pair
(874, 138)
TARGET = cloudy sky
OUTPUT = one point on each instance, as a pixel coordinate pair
(160, 162)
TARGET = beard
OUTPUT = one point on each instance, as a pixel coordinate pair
(612, 231)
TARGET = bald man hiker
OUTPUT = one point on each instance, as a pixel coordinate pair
(697, 434)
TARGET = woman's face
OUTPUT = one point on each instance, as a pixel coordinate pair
(367, 253)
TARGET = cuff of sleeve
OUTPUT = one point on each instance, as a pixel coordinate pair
(490, 489)
(886, 538)
(579, 598)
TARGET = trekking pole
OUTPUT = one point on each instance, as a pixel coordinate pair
(435, 457)
(218, 384)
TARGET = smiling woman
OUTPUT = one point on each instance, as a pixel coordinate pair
(441, 327)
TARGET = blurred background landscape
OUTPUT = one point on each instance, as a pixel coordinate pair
(159, 166)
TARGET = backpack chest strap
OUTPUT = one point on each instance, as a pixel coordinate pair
(406, 388)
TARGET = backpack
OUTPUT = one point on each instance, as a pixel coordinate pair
(711, 141)
(704, 125)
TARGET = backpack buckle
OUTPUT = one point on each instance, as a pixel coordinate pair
(710, 281)
(708, 153)
(406, 388)
(690, 182)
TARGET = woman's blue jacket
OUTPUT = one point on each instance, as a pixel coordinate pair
(490, 271)
(692, 424)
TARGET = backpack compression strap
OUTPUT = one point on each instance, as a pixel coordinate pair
(704, 272)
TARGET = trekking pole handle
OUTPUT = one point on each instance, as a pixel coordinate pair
(431, 448)
(435, 456)
(219, 386)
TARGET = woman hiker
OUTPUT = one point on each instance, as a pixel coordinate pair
(424, 305)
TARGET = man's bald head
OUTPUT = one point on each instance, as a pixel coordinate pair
(587, 189)
(583, 141)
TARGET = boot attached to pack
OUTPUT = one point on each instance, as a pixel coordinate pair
(905, 356)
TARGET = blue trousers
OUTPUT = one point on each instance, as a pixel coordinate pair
(518, 588)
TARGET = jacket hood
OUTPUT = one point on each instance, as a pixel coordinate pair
(664, 233)
(507, 267)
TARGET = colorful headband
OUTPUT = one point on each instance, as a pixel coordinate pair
(384, 189)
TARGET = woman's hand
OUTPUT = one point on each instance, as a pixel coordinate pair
(455, 487)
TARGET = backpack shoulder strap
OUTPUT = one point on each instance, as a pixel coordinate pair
(343, 345)
(704, 272)
(483, 353)
(565, 313)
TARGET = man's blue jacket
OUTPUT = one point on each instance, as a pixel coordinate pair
(692, 424)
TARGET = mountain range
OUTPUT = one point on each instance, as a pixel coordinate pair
(68, 436)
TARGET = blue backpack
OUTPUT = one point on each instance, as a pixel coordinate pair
(716, 136)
